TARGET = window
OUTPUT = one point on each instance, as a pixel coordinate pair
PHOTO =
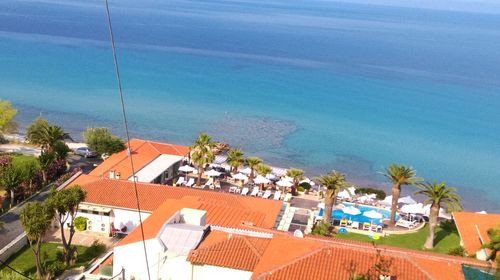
(95, 212)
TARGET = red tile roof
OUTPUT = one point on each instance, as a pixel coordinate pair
(287, 257)
(143, 152)
(474, 226)
(217, 245)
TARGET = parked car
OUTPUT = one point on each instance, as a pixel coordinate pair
(85, 152)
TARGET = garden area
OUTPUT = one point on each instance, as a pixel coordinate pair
(447, 240)
(24, 262)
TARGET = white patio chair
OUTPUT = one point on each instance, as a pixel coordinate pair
(244, 191)
(267, 194)
(277, 195)
(180, 182)
(355, 225)
(190, 182)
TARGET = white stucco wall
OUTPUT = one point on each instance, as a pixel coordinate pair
(129, 218)
(208, 272)
(131, 257)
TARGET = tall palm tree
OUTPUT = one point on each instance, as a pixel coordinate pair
(235, 159)
(334, 182)
(436, 195)
(494, 244)
(399, 175)
(253, 162)
(202, 153)
(263, 169)
(297, 175)
(47, 136)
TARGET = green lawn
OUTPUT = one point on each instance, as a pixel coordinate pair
(446, 238)
(24, 260)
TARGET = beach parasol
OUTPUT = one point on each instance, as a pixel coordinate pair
(240, 176)
(387, 200)
(416, 208)
(372, 214)
(407, 200)
(187, 168)
(284, 183)
(344, 194)
(351, 210)
(246, 170)
(261, 180)
(212, 173)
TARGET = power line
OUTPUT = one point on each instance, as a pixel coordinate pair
(2, 263)
(125, 123)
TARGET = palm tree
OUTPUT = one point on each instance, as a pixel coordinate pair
(235, 159)
(437, 194)
(11, 179)
(253, 162)
(494, 244)
(334, 182)
(297, 175)
(399, 175)
(202, 153)
(47, 135)
(263, 169)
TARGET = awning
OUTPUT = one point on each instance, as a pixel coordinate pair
(94, 208)
(155, 168)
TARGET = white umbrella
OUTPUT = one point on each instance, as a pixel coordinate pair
(372, 214)
(240, 176)
(416, 208)
(407, 200)
(246, 170)
(352, 190)
(187, 168)
(364, 198)
(284, 183)
(387, 200)
(261, 180)
(351, 210)
(212, 173)
(344, 194)
(442, 213)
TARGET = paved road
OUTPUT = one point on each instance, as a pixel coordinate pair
(12, 225)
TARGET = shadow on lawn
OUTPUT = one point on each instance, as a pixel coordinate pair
(447, 228)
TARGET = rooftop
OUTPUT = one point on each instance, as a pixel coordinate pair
(473, 228)
(143, 153)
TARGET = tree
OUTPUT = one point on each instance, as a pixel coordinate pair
(65, 204)
(202, 153)
(46, 135)
(297, 175)
(7, 114)
(437, 194)
(11, 179)
(35, 218)
(253, 162)
(494, 244)
(28, 167)
(399, 175)
(334, 182)
(102, 141)
(61, 150)
(263, 169)
(235, 159)
(46, 159)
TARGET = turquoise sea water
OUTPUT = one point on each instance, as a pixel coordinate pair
(311, 84)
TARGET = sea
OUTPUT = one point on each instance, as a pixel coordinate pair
(319, 85)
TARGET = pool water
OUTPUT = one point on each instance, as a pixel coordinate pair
(339, 214)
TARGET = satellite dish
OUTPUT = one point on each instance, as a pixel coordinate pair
(298, 233)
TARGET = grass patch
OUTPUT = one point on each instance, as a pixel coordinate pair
(24, 260)
(446, 238)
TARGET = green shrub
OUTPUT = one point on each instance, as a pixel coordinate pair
(457, 251)
(305, 185)
(80, 223)
(56, 268)
(322, 228)
(106, 270)
(8, 275)
(380, 193)
(300, 189)
(96, 249)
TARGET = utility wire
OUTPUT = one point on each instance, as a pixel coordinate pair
(2, 263)
(125, 123)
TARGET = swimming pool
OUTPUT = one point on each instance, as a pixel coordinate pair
(339, 214)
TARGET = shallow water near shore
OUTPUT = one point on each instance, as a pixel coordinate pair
(312, 85)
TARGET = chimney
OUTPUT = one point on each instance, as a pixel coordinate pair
(111, 174)
(117, 175)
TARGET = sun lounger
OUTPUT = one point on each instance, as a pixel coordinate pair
(366, 226)
(233, 189)
(255, 191)
(355, 225)
(190, 182)
(406, 224)
(209, 183)
(244, 191)
(180, 182)
(267, 194)
(277, 195)
(287, 197)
